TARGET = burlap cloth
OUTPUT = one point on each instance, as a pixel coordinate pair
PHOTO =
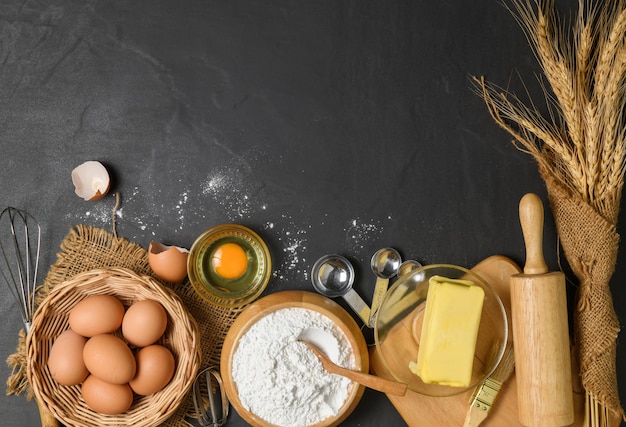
(590, 243)
(86, 248)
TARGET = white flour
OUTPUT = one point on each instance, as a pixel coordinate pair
(241, 199)
(280, 380)
(359, 232)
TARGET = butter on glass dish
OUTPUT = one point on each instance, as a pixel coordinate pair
(438, 329)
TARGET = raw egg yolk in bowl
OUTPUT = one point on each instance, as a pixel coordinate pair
(230, 261)
(229, 265)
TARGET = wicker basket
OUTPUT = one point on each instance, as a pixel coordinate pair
(51, 318)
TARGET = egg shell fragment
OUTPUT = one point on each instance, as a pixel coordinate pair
(144, 323)
(109, 358)
(106, 398)
(168, 263)
(91, 180)
(96, 314)
(65, 361)
(155, 369)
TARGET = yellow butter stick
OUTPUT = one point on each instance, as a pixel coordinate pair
(449, 332)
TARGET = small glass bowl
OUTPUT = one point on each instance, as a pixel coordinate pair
(398, 328)
(221, 291)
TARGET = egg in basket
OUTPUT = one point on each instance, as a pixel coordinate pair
(177, 345)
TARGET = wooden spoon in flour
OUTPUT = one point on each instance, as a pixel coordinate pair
(370, 381)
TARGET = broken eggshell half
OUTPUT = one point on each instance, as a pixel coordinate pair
(168, 263)
(91, 180)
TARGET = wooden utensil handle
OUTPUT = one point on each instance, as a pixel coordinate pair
(531, 219)
(380, 289)
(46, 418)
(372, 381)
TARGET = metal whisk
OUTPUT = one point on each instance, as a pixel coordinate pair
(20, 239)
(209, 398)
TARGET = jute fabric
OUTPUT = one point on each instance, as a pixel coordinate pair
(590, 243)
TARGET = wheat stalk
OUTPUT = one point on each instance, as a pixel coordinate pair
(586, 75)
(607, 52)
(583, 54)
(560, 74)
(533, 134)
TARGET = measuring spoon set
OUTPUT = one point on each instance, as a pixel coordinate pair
(333, 276)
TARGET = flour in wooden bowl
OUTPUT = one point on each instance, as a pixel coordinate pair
(280, 380)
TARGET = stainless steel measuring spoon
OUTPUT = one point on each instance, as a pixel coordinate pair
(402, 298)
(333, 276)
(408, 266)
(385, 264)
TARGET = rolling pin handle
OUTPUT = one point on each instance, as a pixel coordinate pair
(531, 220)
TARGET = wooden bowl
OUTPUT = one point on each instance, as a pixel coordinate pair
(293, 299)
(51, 318)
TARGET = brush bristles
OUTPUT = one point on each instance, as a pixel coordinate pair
(506, 365)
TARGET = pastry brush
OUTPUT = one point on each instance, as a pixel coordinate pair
(485, 393)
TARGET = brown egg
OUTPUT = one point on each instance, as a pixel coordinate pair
(109, 358)
(168, 263)
(96, 314)
(106, 398)
(144, 322)
(155, 369)
(66, 359)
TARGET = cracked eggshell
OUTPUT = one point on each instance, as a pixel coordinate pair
(168, 263)
(91, 180)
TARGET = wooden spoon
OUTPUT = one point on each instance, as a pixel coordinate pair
(370, 381)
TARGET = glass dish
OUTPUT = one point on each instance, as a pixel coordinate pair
(229, 292)
(399, 323)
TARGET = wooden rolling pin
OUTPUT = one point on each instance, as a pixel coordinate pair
(540, 330)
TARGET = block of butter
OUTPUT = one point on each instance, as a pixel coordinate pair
(449, 332)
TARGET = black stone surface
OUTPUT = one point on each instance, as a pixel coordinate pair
(325, 126)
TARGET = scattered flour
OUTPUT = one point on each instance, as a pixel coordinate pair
(228, 189)
(240, 200)
(359, 232)
(99, 212)
(280, 380)
(180, 208)
(294, 243)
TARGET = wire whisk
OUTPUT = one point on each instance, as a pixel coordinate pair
(209, 398)
(20, 239)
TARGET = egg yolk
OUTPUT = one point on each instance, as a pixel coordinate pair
(230, 261)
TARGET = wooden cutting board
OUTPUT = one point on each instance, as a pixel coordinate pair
(425, 411)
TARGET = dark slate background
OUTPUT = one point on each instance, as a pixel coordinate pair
(327, 127)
